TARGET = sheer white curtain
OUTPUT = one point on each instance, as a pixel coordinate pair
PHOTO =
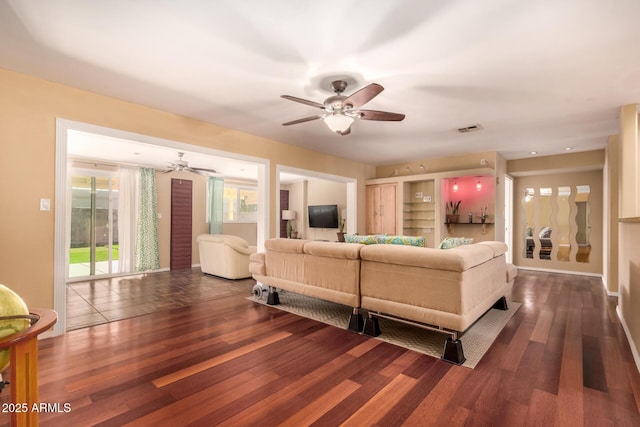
(128, 195)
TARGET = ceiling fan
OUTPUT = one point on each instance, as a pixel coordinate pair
(182, 165)
(341, 111)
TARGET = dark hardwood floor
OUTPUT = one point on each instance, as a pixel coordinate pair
(562, 360)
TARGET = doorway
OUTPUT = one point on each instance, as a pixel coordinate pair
(93, 232)
(65, 128)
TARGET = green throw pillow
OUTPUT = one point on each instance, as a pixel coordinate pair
(365, 240)
(405, 240)
(452, 242)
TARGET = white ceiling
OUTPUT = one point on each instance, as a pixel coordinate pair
(540, 75)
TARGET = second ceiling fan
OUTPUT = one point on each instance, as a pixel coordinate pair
(181, 165)
(341, 111)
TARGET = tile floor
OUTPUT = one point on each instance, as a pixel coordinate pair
(105, 300)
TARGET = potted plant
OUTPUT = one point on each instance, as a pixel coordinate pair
(452, 211)
(341, 233)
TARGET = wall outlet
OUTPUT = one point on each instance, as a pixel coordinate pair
(426, 199)
(418, 194)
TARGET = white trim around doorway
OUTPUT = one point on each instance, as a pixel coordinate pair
(61, 222)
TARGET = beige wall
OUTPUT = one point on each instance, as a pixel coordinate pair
(28, 111)
(629, 282)
(247, 230)
(584, 160)
(629, 162)
(611, 212)
(442, 164)
(298, 204)
(629, 227)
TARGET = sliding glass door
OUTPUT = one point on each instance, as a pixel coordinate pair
(93, 241)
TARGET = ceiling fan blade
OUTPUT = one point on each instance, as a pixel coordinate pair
(380, 115)
(364, 95)
(196, 171)
(302, 101)
(204, 170)
(306, 119)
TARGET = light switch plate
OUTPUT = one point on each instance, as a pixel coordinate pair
(45, 204)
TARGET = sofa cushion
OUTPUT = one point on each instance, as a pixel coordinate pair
(333, 249)
(286, 245)
(256, 263)
(452, 242)
(498, 248)
(457, 259)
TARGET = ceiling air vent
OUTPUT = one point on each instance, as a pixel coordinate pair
(471, 128)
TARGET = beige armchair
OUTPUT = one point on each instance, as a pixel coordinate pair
(225, 256)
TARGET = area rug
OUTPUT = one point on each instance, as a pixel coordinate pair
(475, 341)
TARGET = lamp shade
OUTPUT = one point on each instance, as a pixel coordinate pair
(338, 122)
(288, 215)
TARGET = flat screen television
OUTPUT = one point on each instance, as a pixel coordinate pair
(323, 216)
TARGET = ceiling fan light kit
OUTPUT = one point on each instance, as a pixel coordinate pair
(338, 123)
(341, 111)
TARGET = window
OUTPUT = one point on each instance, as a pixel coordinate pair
(240, 204)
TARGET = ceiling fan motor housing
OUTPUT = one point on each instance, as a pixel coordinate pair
(338, 86)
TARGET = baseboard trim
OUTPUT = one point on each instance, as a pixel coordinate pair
(632, 344)
(550, 270)
(606, 289)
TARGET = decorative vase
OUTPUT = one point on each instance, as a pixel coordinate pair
(340, 236)
(453, 218)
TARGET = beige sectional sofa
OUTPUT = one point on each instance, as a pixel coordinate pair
(442, 289)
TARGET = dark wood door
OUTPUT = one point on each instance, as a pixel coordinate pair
(181, 230)
(284, 205)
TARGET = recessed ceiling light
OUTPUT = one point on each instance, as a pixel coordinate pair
(533, 153)
(568, 148)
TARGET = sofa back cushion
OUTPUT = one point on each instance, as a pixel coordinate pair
(333, 249)
(458, 259)
(498, 248)
(284, 258)
(333, 265)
